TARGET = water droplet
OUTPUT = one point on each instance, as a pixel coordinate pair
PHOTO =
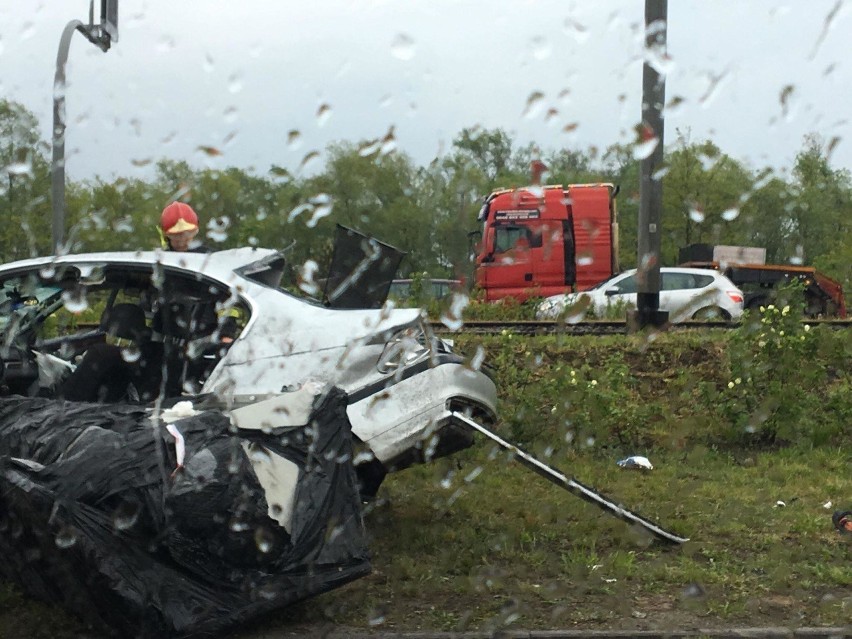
(645, 148)
(208, 63)
(264, 539)
(235, 83)
(570, 127)
(788, 93)
(535, 104)
(231, 114)
(366, 149)
(376, 616)
(28, 30)
(20, 168)
(75, 300)
(258, 454)
(696, 214)
(66, 537)
(294, 138)
(125, 516)
(402, 47)
(140, 162)
(674, 105)
(323, 114)
(212, 151)
(217, 228)
(452, 317)
(730, 214)
(388, 143)
(576, 30)
(323, 205)
(307, 281)
(585, 259)
(165, 44)
(238, 526)
(551, 115)
(310, 157)
(130, 354)
(541, 48)
(478, 358)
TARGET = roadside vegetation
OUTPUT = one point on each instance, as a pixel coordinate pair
(748, 432)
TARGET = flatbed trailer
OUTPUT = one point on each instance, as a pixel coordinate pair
(823, 295)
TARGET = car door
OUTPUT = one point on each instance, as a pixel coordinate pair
(617, 295)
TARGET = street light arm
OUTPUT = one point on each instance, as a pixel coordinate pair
(57, 169)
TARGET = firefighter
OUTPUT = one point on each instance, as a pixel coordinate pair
(178, 228)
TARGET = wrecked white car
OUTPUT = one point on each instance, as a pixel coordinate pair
(219, 329)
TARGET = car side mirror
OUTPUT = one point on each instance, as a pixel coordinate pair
(612, 290)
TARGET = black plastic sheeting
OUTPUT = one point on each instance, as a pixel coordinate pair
(94, 516)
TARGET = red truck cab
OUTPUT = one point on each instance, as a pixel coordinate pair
(546, 240)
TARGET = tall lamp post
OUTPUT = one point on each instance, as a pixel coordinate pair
(648, 311)
(101, 35)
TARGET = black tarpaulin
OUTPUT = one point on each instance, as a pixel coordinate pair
(94, 514)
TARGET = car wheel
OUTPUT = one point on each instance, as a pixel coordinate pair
(370, 476)
(711, 313)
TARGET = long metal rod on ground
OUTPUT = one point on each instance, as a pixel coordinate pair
(575, 487)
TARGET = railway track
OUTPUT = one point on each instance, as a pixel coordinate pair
(598, 327)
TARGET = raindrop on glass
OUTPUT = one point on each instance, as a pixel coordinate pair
(28, 30)
(366, 149)
(210, 151)
(541, 48)
(731, 214)
(294, 138)
(323, 114)
(258, 454)
(388, 144)
(208, 64)
(165, 44)
(309, 158)
(231, 114)
(376, 617)
(576, 30)
(75, 301)
(130, 354)
(534, 105)
(20, 168)
(402, 47)
(238, 526)
(263, 538)
(235, 83)
(644, 149)
(66, 537)
(125, 516)
(696, 214)
(217, 228)
(323, 205)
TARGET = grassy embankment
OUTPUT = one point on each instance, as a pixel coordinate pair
(734, 422)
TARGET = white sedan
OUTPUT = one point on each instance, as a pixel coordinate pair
(685, 293)
(404, 384)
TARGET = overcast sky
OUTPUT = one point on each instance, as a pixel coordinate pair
(273, 81)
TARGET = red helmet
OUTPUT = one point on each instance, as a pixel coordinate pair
(178, 217)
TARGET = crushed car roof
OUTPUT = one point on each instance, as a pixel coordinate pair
(219, 264)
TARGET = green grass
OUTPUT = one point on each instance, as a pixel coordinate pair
(477, 542)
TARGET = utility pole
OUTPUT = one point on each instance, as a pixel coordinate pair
(650, 184)
(101, 35)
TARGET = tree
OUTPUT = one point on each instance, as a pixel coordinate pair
(24, 185)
